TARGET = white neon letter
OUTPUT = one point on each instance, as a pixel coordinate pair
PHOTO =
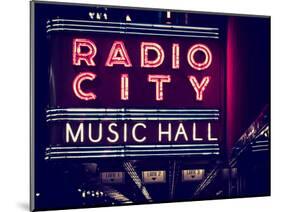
(79, 133)
(210, 138)
(98, 139)
(195, 138)
(162, 132)
(181, 131)
(134, 132)
(111, 130)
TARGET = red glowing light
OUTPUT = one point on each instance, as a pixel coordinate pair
(150, 46)
(124, 87)
(78, 55)
(77, 86)
(208, 57)
(118, 55)
(199, 88)
(176, 56)
(159, 80)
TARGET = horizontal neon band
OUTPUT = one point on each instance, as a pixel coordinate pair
(259, 142)
(84, 152)
(132, 146)
(133, 118)
(86, 147)
(259, 150)
(129, 155)
(134, 24)
(132, 28)
(134, 151)
(169, 146)
(132, 114)
(127, 110)
(258, 146)
(130, 33)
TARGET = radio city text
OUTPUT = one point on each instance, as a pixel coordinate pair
(84, 52)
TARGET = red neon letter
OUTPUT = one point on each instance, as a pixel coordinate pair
(199, 88)
(208, 57)
(176, 56)
(118, 55)
(159, 80)
(78, 55)
(145, 62)
(77, 86)
(124, 87)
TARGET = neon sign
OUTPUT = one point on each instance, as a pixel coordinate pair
(118, 55)
(133, 92)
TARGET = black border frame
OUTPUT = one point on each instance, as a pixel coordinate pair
(32, 89)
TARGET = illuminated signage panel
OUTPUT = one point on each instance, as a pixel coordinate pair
(157, 90)
(154, 176)
(193, 174)
(112, 177)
